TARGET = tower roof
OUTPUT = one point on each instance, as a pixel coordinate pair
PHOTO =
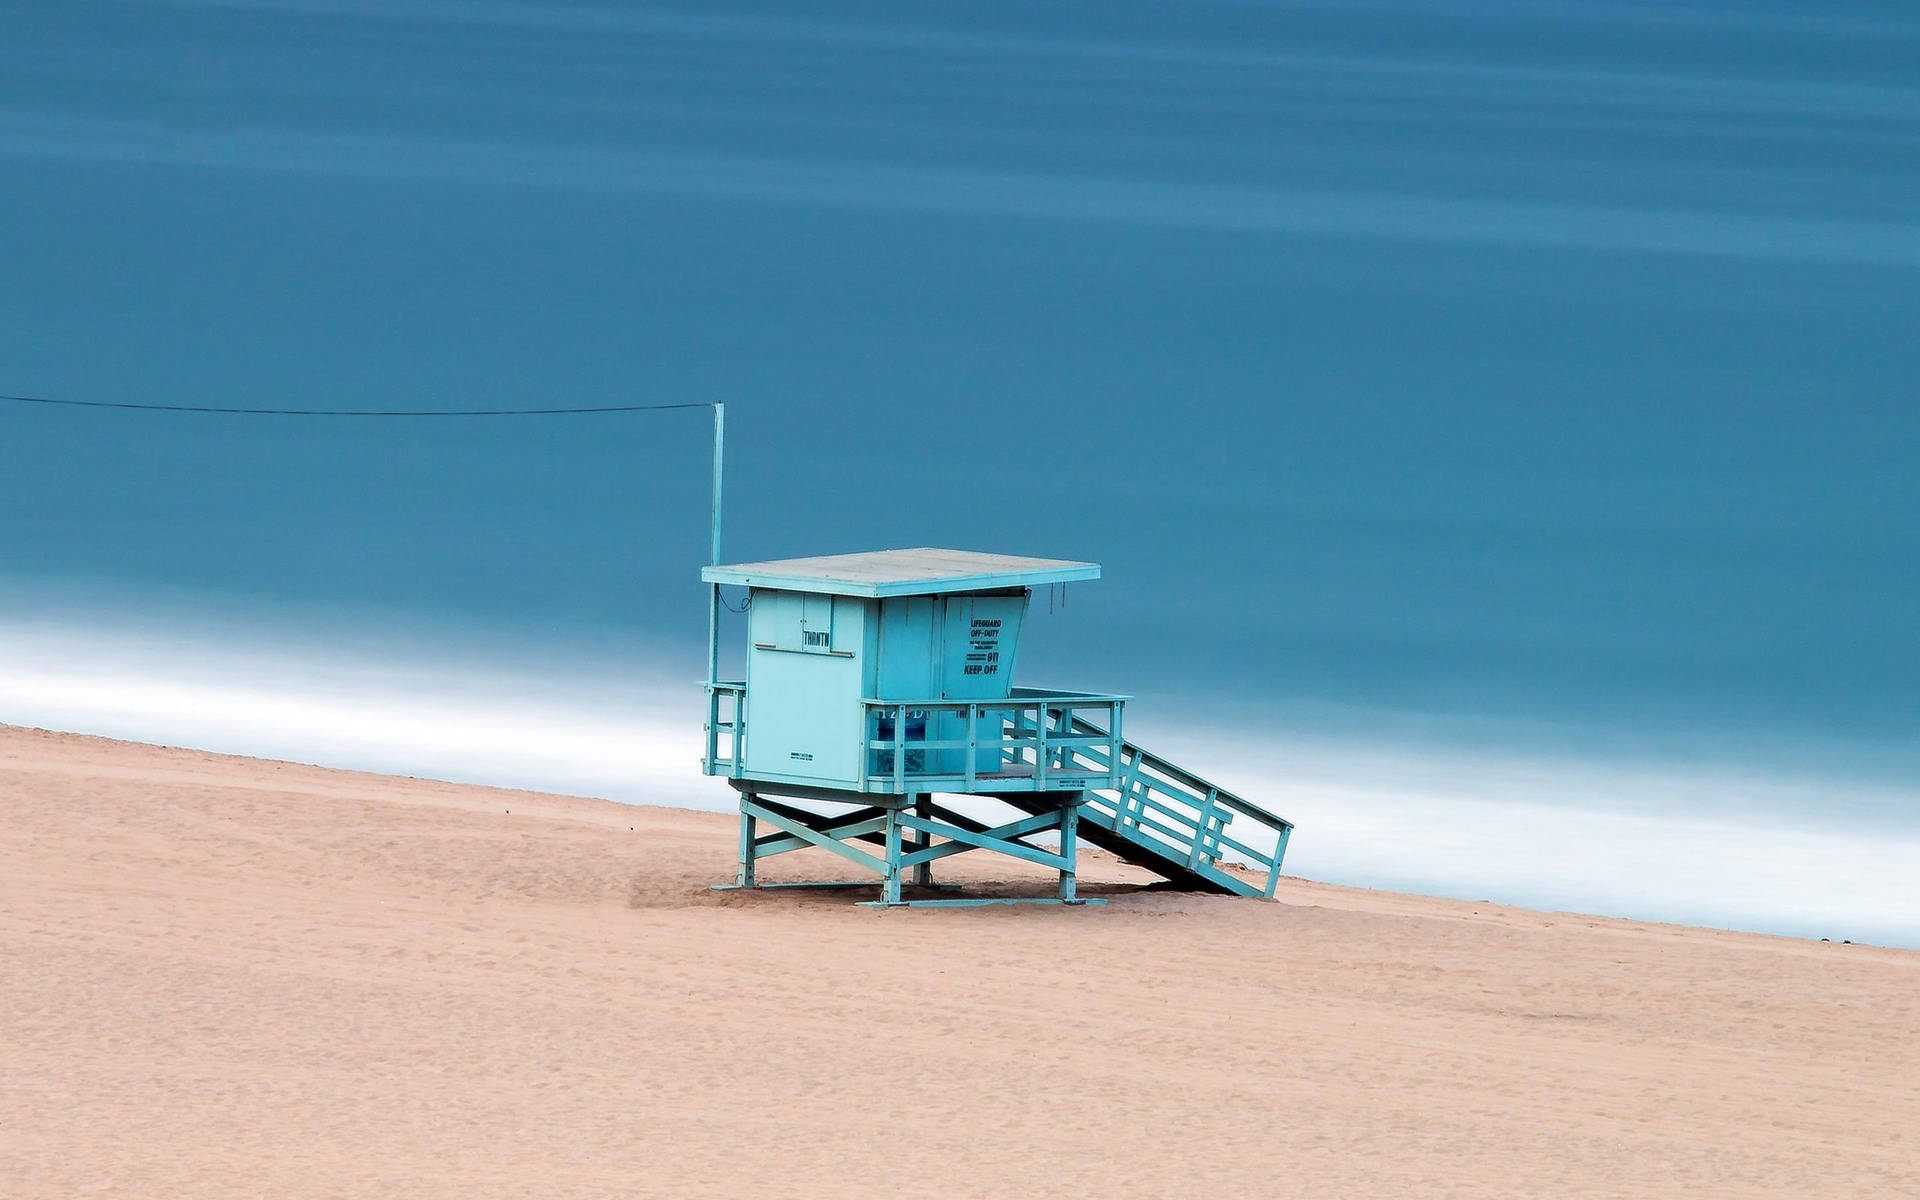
(922, 572)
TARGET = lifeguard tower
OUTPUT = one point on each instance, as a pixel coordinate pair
(875, 682)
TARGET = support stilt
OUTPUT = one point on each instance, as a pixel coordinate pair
(1070, 851)
(749, 828)
(922, 840)
(890, 885)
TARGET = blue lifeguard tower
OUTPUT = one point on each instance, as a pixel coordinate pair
(876, 682)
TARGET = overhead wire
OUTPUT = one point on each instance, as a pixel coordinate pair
(390, 412)
(356, 412)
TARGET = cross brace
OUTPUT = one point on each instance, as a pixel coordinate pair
(1000, 838)
(798, 828)
(862, 830)
(812, 836)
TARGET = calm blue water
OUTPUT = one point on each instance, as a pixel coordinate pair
(1494, 379)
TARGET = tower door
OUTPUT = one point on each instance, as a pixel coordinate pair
(980, 638)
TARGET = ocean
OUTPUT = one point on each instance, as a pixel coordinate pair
(1496, 422)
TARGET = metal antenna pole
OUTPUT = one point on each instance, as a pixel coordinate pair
(713, 552)
(719, 447)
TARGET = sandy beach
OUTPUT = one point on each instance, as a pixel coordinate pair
(232, 977)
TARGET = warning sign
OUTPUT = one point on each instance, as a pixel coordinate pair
(983, 646)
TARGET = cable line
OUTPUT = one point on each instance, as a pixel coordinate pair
(717, 407)
(357, 412)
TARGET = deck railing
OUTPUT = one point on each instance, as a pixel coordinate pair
(730, 700)
(1034, 740)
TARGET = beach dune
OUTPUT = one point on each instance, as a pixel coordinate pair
(232, 977)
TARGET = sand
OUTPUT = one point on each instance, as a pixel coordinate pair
(232, 977)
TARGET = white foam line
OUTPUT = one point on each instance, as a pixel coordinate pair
(1648, 841)
(1700, 845)
(422, 718)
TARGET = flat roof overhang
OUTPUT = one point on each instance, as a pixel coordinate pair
(925, 571)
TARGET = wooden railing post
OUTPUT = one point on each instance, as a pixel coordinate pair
(900, 749)
(1040, 752)
(973, 745)
(1279, 854)
(713, 733)
(737, 749)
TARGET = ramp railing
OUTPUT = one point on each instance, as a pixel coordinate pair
(1179, 816)
(1040, 741)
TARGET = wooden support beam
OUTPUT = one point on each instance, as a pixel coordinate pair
(813, 819)
(1069, 852)
(890, 888)
(985, 838)
(868, 830)
(923, 869)
(979, 902)
(748, 851)
(984, 841)
(825, 842)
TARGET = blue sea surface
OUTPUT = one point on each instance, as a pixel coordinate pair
(1512, 382)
